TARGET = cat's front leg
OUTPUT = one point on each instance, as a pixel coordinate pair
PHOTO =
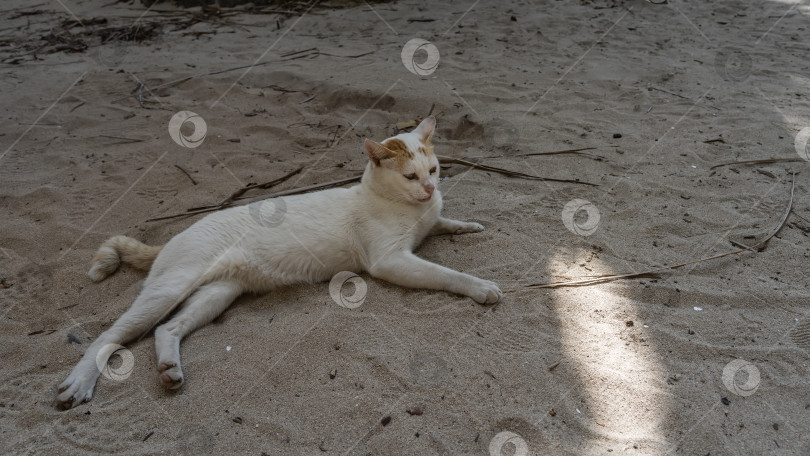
(449, 226)
(408, 270)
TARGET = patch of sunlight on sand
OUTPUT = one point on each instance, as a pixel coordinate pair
(620, 370)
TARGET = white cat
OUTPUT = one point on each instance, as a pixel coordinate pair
(373, 227)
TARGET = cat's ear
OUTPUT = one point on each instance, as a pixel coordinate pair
(376, 152)
(425, 129)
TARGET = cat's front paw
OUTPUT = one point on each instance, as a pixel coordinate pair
(485, 292)
(469, 227)
(77, 388)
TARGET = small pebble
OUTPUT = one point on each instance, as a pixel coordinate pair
(617, 135)
(725, 401)
(629, 323)
(237, 420)
(698, 308)
(73, 339)
(386, 420)
(333, 374)
(414, 411)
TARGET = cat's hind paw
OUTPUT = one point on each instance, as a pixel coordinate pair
(485, 292)
(171, 376)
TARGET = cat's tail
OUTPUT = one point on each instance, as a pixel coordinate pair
(121, 248)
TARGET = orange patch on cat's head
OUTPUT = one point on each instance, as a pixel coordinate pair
(392, 149)
(398, 148)
(400, 153)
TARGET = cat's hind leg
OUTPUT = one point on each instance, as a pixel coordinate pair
(200, 308)
(155, 302)
(449, 226)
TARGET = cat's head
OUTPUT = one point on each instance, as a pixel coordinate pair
(404, 165)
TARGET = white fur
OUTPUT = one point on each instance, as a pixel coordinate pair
(371, 227)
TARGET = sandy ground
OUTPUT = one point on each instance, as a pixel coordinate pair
(645, 366)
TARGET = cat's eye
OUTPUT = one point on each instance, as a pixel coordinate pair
(411, 176)
(432, 170)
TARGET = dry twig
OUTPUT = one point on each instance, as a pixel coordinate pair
(230, 202)
(653, 273)
(187, 174)
(444, 160)
(758, 162)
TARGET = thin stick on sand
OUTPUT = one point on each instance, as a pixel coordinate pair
(237, 194)
(187, 174)
(579, 151)
(654, 272)
(444, 160)
(294, 191)
(758, 162)
(557, 152)
(237, 197)
(287, 56)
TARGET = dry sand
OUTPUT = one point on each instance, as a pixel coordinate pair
(639, 369)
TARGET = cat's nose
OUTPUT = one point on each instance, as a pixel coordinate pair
(429, 189)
